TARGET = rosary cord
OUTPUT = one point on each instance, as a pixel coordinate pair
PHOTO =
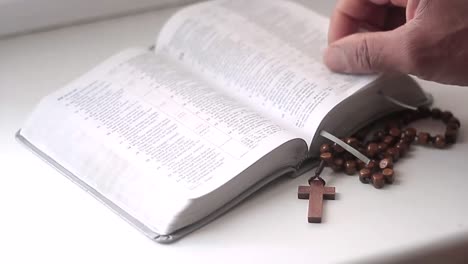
(317, 173)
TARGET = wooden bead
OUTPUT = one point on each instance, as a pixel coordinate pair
(372, 165)
(353, 142)
(372, 149)
(451, 135)
(360, 164)
(382, 155)
(382, 147)
(350, 167)
(410, 133)
(386, 163)
(402, 148)
(424, 111)
(423, 138)
(393, 153)
(338, 149)
(348, 156)
(446, 115)
(338, 164)
(379, 135)
(378, 180)
(365, 175)
(388, 174)
(439, 141)
(394, 132)
(389, 140)
(436, 113)
(452, 126)
(455, 121)
(327, 157)
(324, 148)
(405, 138)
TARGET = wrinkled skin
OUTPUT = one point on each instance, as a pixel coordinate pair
(425, 38)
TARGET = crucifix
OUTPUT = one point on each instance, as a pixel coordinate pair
(316, 192)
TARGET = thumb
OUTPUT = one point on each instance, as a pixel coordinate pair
(369, 52)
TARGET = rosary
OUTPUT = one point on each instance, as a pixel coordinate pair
(382, 149)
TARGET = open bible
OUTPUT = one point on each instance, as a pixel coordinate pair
(233, 96)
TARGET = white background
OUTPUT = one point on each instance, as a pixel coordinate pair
(45, 218)
(29, 15)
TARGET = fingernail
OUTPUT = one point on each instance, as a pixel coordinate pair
(335, 59)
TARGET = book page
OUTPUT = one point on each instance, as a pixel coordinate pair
(266, 53)
(137, 128)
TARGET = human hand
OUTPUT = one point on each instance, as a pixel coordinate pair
(425, 38)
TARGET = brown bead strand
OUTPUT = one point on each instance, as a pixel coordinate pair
(389, 145)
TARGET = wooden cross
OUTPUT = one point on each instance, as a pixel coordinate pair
(316, 192)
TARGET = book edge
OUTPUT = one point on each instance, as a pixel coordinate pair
(108, 203)
(148, 232)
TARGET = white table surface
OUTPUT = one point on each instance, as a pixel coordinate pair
(45, 218)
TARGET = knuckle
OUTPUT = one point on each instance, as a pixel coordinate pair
(362, 55)
(366, 56)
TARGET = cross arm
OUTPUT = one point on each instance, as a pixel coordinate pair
(304, 191)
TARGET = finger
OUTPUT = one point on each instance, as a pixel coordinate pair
(411, 9)
(349, 15)
(364, 53)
